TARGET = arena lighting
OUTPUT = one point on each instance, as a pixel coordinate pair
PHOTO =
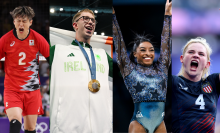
(95, 33)
(61, 9)
(52, 10)
(102, 33)
(96, 11)
(79, 10)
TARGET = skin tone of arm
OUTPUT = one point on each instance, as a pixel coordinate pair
(168, 8)
(134, 126)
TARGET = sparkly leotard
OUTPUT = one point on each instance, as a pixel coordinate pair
(147, 85)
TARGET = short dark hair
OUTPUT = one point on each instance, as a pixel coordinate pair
(23, 11)
(137, 41)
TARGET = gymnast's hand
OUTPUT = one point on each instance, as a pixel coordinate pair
(168, 8)
(113, 11)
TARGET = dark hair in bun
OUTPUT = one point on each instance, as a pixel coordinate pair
(137, 41)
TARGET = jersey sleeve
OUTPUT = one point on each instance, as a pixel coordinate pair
(124, 63)
(52, 49)
(44, 47)
(165, 50)
(215, 78)
(110, 64)
(2, 51)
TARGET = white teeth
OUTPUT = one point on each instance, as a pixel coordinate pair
(146, 58)
(89, 28)
(194, 61)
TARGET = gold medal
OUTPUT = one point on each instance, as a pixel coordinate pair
(94, 85)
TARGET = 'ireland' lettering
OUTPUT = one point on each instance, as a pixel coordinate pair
(78, 66)
(69, 66)
(81, 66)
(73, 66)
(100, 68)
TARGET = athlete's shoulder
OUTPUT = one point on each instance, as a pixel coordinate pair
(62, 46)
(99, 49)
(8, 35)
(176, 78)
(35, 34)
(213, 76)
(178, 81)
(52, 48)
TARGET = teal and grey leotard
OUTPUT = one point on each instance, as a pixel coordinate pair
(147, 85)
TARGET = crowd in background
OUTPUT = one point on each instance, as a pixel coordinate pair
(41, 25)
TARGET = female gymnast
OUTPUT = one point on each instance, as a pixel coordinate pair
(194, 91)
(146, 81)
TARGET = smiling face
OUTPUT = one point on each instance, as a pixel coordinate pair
(84, 29)
(145, 54)
(194, 61)
(22, 25)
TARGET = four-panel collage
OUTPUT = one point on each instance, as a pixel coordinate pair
(109, 66)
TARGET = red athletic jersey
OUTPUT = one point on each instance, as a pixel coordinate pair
(22, 60)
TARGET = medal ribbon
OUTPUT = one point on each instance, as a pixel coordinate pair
(93, 68)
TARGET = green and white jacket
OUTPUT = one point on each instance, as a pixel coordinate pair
(74, 109)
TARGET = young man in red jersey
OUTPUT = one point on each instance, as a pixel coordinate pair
(21, 47)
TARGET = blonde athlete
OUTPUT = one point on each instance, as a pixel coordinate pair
(195, 92)
(76, 106)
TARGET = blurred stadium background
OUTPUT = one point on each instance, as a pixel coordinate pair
(61, 15)
(62, 12)
(41, 25)
(193, 18)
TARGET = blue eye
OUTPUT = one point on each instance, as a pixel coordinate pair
(201, 54)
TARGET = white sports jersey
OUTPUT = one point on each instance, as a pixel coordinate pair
(74, 109)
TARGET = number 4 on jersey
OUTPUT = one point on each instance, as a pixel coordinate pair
(200, 101)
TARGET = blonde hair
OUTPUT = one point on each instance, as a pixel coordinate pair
(202, 41)
(80, 12)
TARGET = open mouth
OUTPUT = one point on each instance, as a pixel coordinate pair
(89, 28)
(21, 29)
(194, 65)
(147, 59)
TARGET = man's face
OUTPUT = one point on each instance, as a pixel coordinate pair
(22, 26)
(195, 60)
(82, 28)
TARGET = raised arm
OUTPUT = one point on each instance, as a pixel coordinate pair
(123, 61)
(166, 42)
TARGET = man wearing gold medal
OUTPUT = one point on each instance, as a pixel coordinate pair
(80, 94)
